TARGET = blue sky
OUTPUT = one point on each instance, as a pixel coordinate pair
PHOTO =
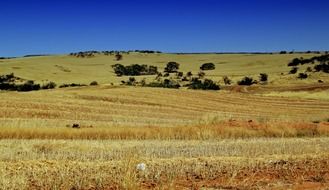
(48, 27)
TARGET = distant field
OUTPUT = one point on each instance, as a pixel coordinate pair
(264, 136)
(69, 69)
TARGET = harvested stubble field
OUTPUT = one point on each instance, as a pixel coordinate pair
(272, 136)
(222, 164)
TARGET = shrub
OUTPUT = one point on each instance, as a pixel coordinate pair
(119, 69)
(294, 62)
(118, 57)
(246, 81)
(293, 70)
(207, 84)
(189, 74)
(28, 86)
(302, 76)
(71, 85)
(49, 85)
(134, 70)
(207, 66)
(8, 78)
(226, 80)
(201, 74)
(322, 67)
(172, 67)
(263, 77)
(131, 81)
(283, 52)
(309, 69)
(167, 83)
(179, 74)
(93, 83)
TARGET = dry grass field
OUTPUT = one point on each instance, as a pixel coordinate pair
(272, 136)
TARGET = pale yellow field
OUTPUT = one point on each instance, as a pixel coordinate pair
(261, 163)
(69, 69)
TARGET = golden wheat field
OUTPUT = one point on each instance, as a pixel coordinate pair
(272, 136)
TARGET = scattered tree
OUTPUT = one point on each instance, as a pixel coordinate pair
(263, 77)
(226, 80)
(118, 57)
(207, 66)
(172, 67)
(302, 75)
(246, 81)
(49, 85)
(293, 70)
(93, 83)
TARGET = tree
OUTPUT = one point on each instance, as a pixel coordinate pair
(246, 81)
(302, 76)
(119, 69)
(263, 77)
(207, 84)
(93, 83)
(207, 66)
(172, 67)
(226, 80)
(201, 74)
(293, 70)
(118, 57)
(49, 85)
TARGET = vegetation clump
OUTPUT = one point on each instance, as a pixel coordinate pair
(71, 85)
(302, 76)
(49, 85)
(93, 83)
(206, 84)
(247, 81)
(134, 70)
(227, 81)
(172, 67)
(207, 66)
(166, 83)
(263, 77)
(293, 70)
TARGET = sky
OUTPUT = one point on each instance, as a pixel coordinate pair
(64, 26)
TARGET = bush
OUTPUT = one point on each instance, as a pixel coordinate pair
(118, 57)
(246, 81)
(226, 80)
(172, 67)
(93, 83)
(49, 85)
(28, 86)
(283, 52)
(189, 74)
(134, 70)
(294, 62)
(293, 70)
(179, 74)
(167, 83)
(201, 74)
(322, 67)
(302, 76)
(207, 66)
(263, 77)
(71, 85)
(207, 84)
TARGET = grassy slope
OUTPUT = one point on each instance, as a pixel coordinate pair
(67, 69)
